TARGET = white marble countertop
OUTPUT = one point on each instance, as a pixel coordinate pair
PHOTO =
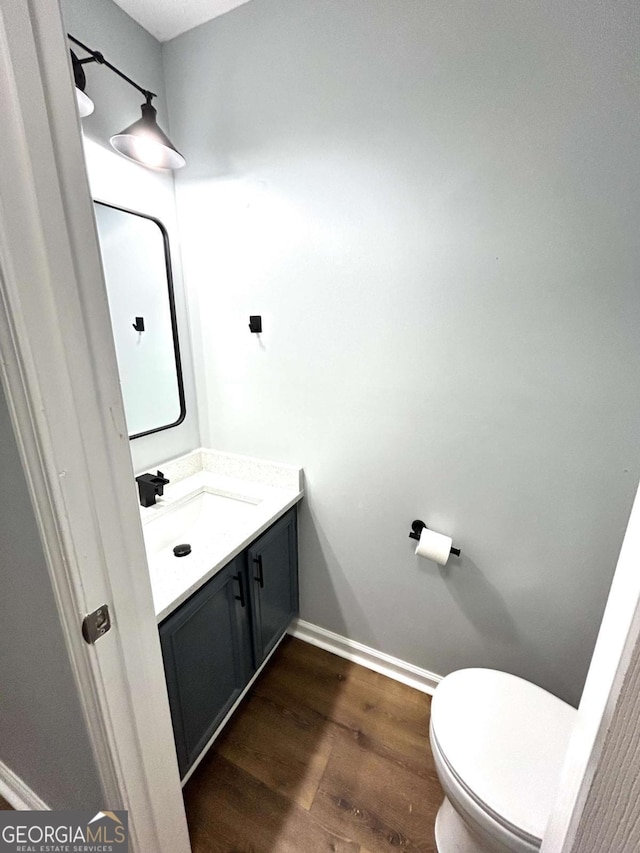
(260, 492)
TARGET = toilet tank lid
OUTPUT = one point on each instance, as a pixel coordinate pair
(505, 739)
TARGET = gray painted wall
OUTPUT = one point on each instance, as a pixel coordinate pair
(103, 26)
(43, 736)
(434, 206)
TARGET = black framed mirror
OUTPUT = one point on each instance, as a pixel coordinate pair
(137, 269)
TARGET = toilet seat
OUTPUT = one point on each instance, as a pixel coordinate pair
(498, 836)
(499, 743)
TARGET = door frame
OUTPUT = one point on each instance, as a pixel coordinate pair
(60, 378)
(616, 652)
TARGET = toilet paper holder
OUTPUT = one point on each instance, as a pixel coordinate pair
(418, 526)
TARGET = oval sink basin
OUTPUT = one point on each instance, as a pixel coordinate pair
(195, 520)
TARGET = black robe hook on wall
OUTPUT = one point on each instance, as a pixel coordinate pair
(139, 324)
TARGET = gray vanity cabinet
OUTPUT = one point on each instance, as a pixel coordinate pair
(273, 574)
(213, 644)
(206, 649)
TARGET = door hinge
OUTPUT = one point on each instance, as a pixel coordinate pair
(96, 624)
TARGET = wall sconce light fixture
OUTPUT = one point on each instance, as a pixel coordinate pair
(85, 104)
(143, 141)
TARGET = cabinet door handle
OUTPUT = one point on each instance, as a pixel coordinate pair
(240, 597)
(260, 578)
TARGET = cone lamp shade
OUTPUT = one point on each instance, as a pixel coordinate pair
(84, 102)
(146, 143)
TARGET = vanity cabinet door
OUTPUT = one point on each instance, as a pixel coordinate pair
(272, 563)
(207, 658)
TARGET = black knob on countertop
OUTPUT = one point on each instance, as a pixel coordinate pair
(182, 550)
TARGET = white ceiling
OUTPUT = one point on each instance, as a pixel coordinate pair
(166, 19)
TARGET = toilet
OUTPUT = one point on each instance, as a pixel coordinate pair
(498, 744)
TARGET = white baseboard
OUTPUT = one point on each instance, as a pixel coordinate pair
(17, 793)
(399, 670)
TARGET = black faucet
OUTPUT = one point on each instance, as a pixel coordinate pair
(150, 485)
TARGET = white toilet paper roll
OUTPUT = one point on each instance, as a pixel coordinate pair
(434, 546)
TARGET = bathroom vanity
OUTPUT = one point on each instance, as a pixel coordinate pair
(225, 605)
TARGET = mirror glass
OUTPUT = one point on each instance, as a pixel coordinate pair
(137, 269)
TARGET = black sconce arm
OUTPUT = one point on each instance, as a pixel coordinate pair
(96, 56)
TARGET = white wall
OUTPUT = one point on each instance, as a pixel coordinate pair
(434, 207)
(103, 26)
(43, 736)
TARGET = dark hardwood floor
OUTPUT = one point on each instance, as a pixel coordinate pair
(322, 755)
(4, 805)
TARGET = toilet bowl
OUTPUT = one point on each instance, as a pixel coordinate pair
(498, 744)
